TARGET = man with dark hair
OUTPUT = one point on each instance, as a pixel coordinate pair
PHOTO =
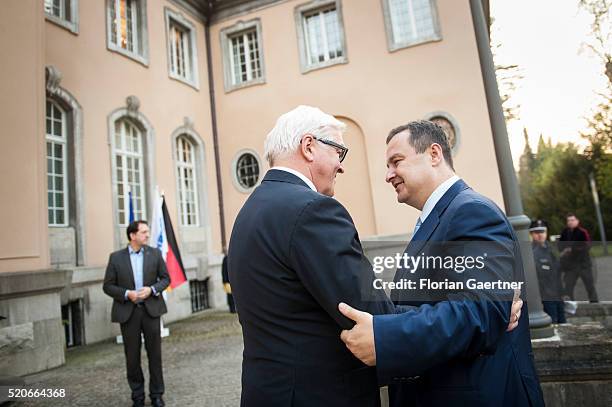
(135, 277)
(574, 246)
(454, 350)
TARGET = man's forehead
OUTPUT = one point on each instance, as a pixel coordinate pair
(398, 145)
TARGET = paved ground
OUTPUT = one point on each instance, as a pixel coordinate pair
(201, 360)
(602, 269)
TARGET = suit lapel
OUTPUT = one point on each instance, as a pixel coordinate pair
(431, 223)
(127, 264)
(422, 235)
(145, 262)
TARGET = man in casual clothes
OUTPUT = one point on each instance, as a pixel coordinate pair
(574, 245)
(547, 268)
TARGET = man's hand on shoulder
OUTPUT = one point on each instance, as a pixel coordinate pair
(360, 339)
(515, 312)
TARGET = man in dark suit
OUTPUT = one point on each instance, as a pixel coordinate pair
(453, 349)
(135, 277)
(226, 286)
(294, 254)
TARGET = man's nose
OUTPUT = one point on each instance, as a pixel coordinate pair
(390, 175)
(341, 169)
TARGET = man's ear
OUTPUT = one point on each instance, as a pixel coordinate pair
(435, 153)
(306, 147)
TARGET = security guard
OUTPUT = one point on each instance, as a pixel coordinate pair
(547, 268)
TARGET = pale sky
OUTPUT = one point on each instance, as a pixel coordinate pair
(545, 37)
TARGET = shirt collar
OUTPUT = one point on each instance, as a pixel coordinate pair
(297, 174)
(435, 196)
(132, 251)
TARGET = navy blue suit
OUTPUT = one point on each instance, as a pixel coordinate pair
(294, 254)
(457, 352)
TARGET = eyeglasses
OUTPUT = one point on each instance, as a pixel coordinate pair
(342, 149)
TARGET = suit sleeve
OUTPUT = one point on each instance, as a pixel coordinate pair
(465, 325)
(163, 279)
(110, 285)
(327, 256)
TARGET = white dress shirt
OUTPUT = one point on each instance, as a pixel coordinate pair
(435, 196)
(297, 174)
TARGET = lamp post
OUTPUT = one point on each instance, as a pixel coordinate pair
(539, 321)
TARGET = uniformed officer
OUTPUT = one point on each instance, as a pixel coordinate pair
(547, 267)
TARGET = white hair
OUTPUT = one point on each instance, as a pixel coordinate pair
(289, 129)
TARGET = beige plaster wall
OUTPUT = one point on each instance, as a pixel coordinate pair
(101, 80)
(23, 241)
(377, 90)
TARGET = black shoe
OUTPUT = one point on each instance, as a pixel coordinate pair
(157, 402)
(138, 403)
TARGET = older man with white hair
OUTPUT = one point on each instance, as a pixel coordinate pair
(294, 254)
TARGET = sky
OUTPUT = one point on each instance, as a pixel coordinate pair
(561, 77)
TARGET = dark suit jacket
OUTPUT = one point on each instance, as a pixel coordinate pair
(119, 277)
(459, 348)
(294, 254)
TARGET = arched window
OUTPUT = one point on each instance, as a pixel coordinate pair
(57, 164)
(187, 182)
(129, 167)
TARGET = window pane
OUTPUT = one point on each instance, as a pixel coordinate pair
(332, 29)
(411, 20)
(58, 151)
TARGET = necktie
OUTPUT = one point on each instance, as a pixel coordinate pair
(417, 226)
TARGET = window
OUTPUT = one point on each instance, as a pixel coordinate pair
(247, 169)
(242, 51)
(199, 295)
(57, 165)
(321, 35)
(410, 22)
(181, 48)
(63, 13)
(127, 26)
(187, 184)
(129, 167)
(72, 319)
(56, 8)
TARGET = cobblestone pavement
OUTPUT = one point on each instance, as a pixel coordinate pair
(201, 362)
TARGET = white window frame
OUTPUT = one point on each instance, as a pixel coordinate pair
(139, 32)
(181, 167)
(300, 13)
(71, 23)
(120, 150)
(234, 167)
(191, 77)
(393, 45)
(226, 34)
(63, 141)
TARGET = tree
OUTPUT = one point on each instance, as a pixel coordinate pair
(509, 77)
(526, 168)
(601, 35)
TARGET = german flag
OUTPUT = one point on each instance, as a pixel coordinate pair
(174, 263)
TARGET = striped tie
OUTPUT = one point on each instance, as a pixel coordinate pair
(417, 226)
